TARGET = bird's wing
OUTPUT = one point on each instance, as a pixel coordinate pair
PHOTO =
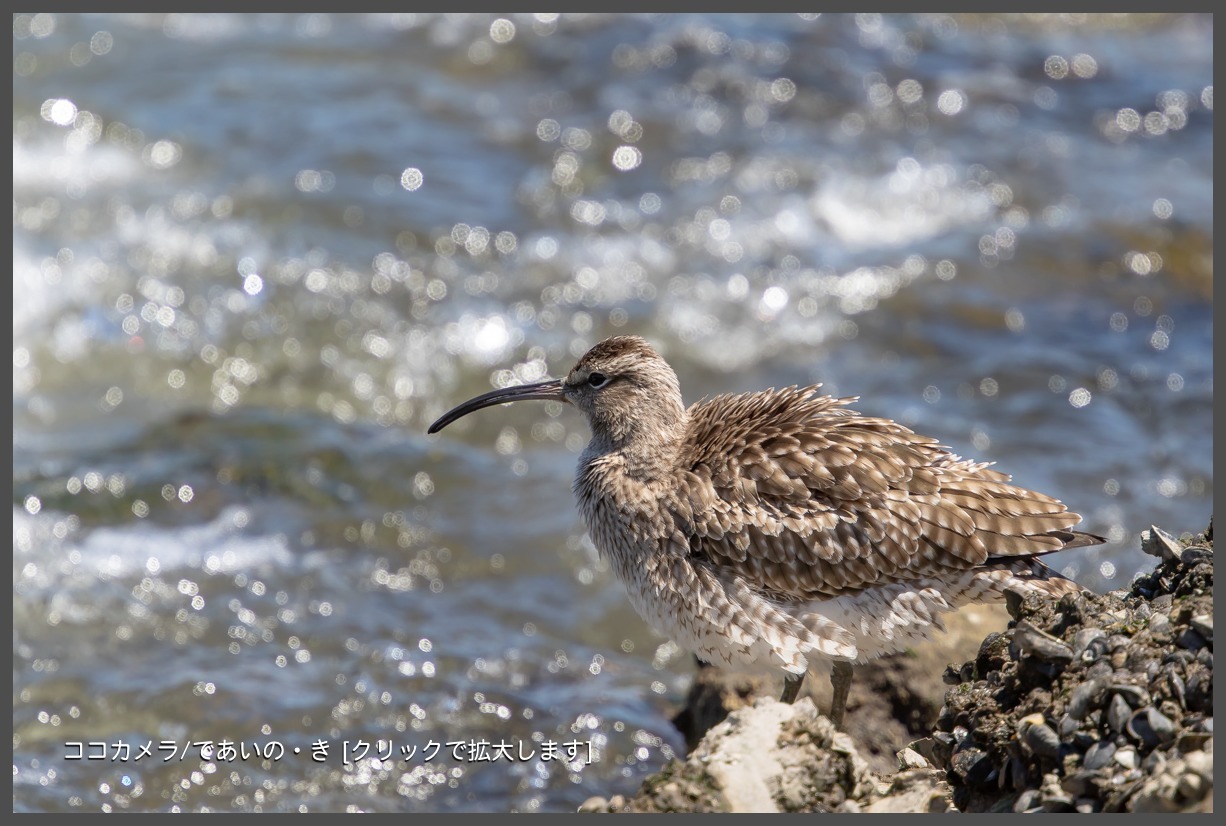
(804, 496)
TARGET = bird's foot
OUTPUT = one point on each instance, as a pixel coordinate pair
(840, 680)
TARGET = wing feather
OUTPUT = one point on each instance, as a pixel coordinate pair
(802, 495)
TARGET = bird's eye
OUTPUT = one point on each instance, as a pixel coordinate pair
(597, 379)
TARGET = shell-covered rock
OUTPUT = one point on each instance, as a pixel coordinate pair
(1093, 702)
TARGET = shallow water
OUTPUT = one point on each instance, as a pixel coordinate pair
(254, 256)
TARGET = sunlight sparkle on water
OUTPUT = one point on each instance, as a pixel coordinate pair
(492, 336)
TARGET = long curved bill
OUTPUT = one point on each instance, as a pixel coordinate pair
(549, 390)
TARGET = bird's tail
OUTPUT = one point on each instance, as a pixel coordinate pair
(1078, 539)
(1031, 574)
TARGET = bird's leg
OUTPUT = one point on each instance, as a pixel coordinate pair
(840, 680)
(791, 687)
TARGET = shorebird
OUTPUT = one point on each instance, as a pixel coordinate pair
(781, 529)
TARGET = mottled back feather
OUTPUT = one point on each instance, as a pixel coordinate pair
(806, 498)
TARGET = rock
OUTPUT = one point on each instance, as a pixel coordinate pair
(909, 759)
(1097, 702)
(1127, 757)
(1089, 644)
(1203, 625)
(1084, 698)
(1032, 641)
(1013, 601)
(1118, 713)
(765, 757)
(712, 696)
(744, 761)
(594, 804)
(1151, 727)
(1099, 755)
(1184, 784)
(1039, 737)
(894, 700)
(916, 790)
(773, 757)
(973, 766)
(1159, 543)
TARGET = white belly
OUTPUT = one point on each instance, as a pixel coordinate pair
(741, 632)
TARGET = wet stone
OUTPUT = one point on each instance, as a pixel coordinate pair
(1127, 757)
(1191, 640)
(1179, 657)
(1067, 725)
(1099, 755)
(1199, 690)
(973, 766)
(594, 804)
(1087, 645)
(1043, 740)
(954, 675)
(1193, 557)
(1176, 685)
(1203, 625)
(1072, 608)
(1013, 602)
(1118, 713)
(1085, 698)
(1134, 695)
(1079, 783)
(1099, 670)
(1151, 727)
(1027, 801)
(1153, 762)
(1032, 641)
(1017, 773)
(993, 653)
(1083, 740)
(1159, 543)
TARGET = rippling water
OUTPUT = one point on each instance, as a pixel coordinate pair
(254, 256)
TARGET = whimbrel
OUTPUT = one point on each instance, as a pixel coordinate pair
(782, 529)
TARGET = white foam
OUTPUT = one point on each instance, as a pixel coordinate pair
(911, 204)
(46, 555)
(48, 166)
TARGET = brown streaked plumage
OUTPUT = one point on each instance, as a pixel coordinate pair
(781, 529)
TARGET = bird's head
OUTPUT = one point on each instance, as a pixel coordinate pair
(622, 385)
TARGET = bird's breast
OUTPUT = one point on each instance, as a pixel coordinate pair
(625, 517)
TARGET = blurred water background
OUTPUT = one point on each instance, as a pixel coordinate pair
(254, 256)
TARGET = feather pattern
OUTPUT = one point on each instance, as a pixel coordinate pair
(783, 528)
(843, 501)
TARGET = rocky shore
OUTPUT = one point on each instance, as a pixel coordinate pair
(1092, 703)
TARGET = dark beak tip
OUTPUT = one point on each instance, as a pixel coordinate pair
(438, 425)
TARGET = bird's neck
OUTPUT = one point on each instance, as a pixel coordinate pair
(646, 446)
